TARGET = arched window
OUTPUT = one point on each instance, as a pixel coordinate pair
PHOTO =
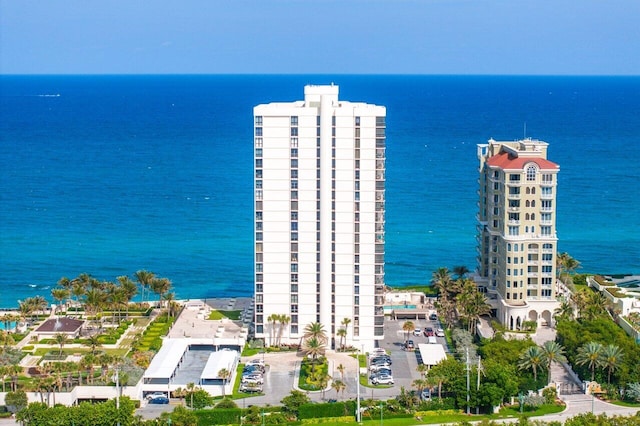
(527, 203)
(526, 216)
(533, 216)
(528, 191)
(533, 203)
(533, 191)
(531, 173)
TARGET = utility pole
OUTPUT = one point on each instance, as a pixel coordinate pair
(468, 386)
(358, 388)
(478, 386)
(118, 393)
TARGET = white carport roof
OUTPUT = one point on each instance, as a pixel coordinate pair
(217, 361)
(431, 353)
(166, 360)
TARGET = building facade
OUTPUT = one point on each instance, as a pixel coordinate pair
(319, 185)
(517, 241)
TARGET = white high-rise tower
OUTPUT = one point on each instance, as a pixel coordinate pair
(319, 177)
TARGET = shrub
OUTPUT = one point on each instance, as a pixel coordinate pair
(550, 394)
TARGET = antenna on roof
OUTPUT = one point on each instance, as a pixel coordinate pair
(525, 129)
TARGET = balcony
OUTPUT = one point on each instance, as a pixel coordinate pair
(546, 209)
(546, 222)
(514, 209)
(513, 222)
(546, 196)
(380, 175)
(513, 196)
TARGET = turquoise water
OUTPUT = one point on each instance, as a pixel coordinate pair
(391, 307)
(121, 173)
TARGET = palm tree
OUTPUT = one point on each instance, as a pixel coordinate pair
(341, 368)
(129, 288)
(423, 369)
(315, 330)
(589, 354)
(169, 298)
(553, 352)
(273, 319)
(160, 286)
(434, 377)
(144, 278)
(408, 328)
(472, 304)
(3, 375)
(59, 294)
(338, 386)
(313, 347)
(224, 374)
(61, 339)
(342, 334)
(88, 362)
(284, 322)
(564, 311)
(93, 342)
(191, 388)
(611, 357)
(345, 324)
(532, 358)
(14, 370)
(420, 385)
(461, 271)
(441, 279)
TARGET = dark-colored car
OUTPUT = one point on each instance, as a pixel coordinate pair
(159, 400)
(433, 317)
(428, 331)
(381, 359)
(409, 345)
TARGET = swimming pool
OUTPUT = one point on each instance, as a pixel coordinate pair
(392, 307)
(629, 284)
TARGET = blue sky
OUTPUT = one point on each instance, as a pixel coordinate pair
(572, 37)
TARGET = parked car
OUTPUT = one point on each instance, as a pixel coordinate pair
(425, 395)
(409, 345)
(439, 332)
(417, 332)
(379, 372)
(159, 400)
(432, 340)
(254, 378)
(433, 317)
(383, 358)
(378, 351)
(383, 379)
(377, 367)
(255, 361)
(250, 387)
(428, 331)
(253, 369)
(156, 395)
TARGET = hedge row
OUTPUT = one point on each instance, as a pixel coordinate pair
(222, 416)
(335, 409)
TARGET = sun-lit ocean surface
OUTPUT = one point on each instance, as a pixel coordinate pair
(112, 174)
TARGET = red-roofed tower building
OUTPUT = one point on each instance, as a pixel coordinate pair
(517, 241)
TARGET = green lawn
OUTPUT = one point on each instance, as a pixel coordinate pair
(218, 315)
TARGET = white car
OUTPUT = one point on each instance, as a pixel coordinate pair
(382, 379)
(253, 378)
(417, 332)
(255, 361)
(439, 332)
(377, 352)
(156, 395)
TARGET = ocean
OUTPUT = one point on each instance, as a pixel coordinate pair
(112, 174)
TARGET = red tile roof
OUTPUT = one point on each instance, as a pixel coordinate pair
(509, 162)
